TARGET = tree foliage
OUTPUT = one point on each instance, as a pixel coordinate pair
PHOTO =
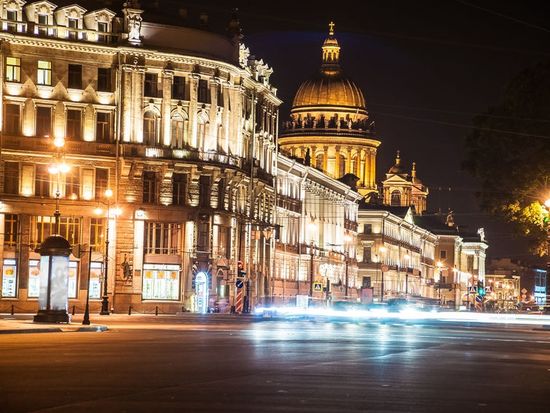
(508, 151)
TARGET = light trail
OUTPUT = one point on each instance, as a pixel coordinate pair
(405, 314)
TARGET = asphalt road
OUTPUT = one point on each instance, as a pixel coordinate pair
(220, 364)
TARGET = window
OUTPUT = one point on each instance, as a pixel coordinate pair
(72, 183)
(342, 165)
(11, 178)
(203, 237)
(319, 161)
(149, 187)
(395, 198)
(443, 254)
(224, 241)
(367, 229)
(203, 91)
(43, 121)
(150, 128)
(178, 88)
(75, 76)
(12, 123)
(220, 96)
(11, 16)
(44, 226)
(150, 85)
(10, 230)
(72, 24)
(162, 238)
(9, 278)
(74, 124)
(103, 127)
(179, 189)
(42, 24)
(204, 184)
(367, 254)
(97, 229)
(102, 27)
(96, 271)
(161, 282)
(44, 74)
(42, 181)
(13, 69)
(104, 79)
(101, 182)
(178, 131)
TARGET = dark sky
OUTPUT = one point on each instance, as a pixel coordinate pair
(426, 68)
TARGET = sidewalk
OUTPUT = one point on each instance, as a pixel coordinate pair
(22, 323)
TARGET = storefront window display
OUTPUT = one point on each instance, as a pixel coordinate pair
(161, 282)
(9, 278)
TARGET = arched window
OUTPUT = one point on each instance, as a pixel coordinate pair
(395, 198)
(342, 164)
(150, 128)
(202, 130)
(319, 161)
(177, 126)
(355, 165)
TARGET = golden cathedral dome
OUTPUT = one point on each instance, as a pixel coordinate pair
(330, 87)
(329, 91)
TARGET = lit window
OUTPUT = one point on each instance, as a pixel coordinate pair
(44, 74)
(103, 127)
(161, 282)
(13, 69)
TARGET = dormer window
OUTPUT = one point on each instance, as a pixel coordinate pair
(99, 21)
(72, 24)
(42, 24)
(102, 27)
(11, 16)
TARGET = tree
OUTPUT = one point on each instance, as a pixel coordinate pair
(509, 153)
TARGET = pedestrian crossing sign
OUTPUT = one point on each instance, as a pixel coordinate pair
(317, 286)
(473, 289)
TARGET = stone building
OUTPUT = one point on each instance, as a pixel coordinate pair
(395, 255)
(401, 188)
(166, 149)
(317, 221)
(329, 124)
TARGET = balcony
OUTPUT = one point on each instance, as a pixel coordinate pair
(36, 144)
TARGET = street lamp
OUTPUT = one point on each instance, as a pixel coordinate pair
(105, 299)
(58, 167)
(311, 227)
(382, 250)
(407, 257)
(347, 240)
(440, 267)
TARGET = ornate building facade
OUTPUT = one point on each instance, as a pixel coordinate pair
(163, 164)
(401, 188)
(329, 124)
(315, 251)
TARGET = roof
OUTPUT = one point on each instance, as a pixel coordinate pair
(400, 211)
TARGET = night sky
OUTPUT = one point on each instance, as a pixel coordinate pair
(426, 68)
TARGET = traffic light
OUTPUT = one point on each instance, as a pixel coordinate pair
(480, 289)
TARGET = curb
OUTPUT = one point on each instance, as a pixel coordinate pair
(94, 329)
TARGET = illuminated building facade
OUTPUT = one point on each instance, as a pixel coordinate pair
(401, 188)
(395, 255)
(329, 124)
(317, 220)
(178, 122)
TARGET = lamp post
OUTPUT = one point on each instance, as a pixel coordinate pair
(382, 251)
(86, 318)
(408, 258)
(58, 167)
(440, 267)
(347, 240)
(105, 299)
(311, 227)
